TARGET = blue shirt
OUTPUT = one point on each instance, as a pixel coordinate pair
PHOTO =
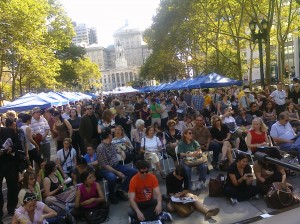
(282, 131)
(88, 159)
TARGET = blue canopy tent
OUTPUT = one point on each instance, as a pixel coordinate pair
(186, 83)
(171, 86)
(159, 88)
(213, 80)
(26, 103)
(53, 101)
(57, 96)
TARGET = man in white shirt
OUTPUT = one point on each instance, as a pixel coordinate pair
(279, 97)
(284, 136)
(40, 129)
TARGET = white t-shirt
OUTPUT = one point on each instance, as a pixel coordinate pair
(151, 144)
(279, 97)
(61, 154)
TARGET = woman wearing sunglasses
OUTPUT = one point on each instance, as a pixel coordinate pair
(32, 211)
(188, 147)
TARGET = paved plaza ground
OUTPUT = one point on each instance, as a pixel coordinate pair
(228, 213)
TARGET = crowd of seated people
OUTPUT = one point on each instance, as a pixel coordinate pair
(108, 139)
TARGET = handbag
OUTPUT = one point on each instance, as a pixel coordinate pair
(195, 161)
(96, 216)
(280, 196)
(215, 186)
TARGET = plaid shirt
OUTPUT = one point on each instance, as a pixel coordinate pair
(107, 155)
(39, 126)
(198, 102)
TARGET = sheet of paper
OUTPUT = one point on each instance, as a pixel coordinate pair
(266, 216)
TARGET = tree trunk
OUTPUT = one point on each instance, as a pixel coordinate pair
(239, 60)
(268, 62)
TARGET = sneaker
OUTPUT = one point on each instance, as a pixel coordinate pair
(194, 187)
(165, 216)
(212, 212)
(256, 197)
(233, 201)
(199, 185)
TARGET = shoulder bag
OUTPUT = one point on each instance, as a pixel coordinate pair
(280, 196)
(215, 186)
(195, 161)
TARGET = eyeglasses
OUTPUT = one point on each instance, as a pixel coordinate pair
(29, 198)
(66, 143)
(90, 108)
(144, 171)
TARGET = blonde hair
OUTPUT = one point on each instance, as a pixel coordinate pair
(214, 119)
(263, 127)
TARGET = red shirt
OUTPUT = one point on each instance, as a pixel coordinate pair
(257, 138)
(143, 188)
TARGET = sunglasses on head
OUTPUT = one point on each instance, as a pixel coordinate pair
(89, 108)
(30, 198)
(144, 171)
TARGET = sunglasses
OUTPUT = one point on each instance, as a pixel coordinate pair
(29, 199)
(144, 171)
(90, 108)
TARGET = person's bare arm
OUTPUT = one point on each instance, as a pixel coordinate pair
(69, 126)
(135, 207)
(47, 192)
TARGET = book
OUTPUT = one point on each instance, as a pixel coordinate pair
(183, 200)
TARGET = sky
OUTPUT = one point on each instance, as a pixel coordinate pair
(110, 15)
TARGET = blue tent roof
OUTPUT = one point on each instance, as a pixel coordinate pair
(57, 96)
(213, 80)
(26, 103)
(53, 101)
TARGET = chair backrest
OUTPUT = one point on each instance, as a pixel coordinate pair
(271, 140)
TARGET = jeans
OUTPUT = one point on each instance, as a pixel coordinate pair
(8, 170)
(202, 169)
(292, 146)
(112, 178)
(46, 150)
(216, 148)
(147, 208)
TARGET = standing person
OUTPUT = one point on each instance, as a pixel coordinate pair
(145, 115)
(293, 116)
(48, 116)
(269, 114)
(123, 120)
(145, 197)
(155, 112)
(63, 129)
(187, 96)
(198, 101)
(177, 185)
(66, 158)
(279, 98)
(111, 170)
(88, 128)
(238, 186)
(137, 108)
(74, 120)
(8, 168)
(40, 129)
(223, 104)
(182, 107)
(294, 95)
(188, 147)
(163, 114)
(32, 146)
(66, 114)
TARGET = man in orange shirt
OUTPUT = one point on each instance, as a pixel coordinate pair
(143, 205)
